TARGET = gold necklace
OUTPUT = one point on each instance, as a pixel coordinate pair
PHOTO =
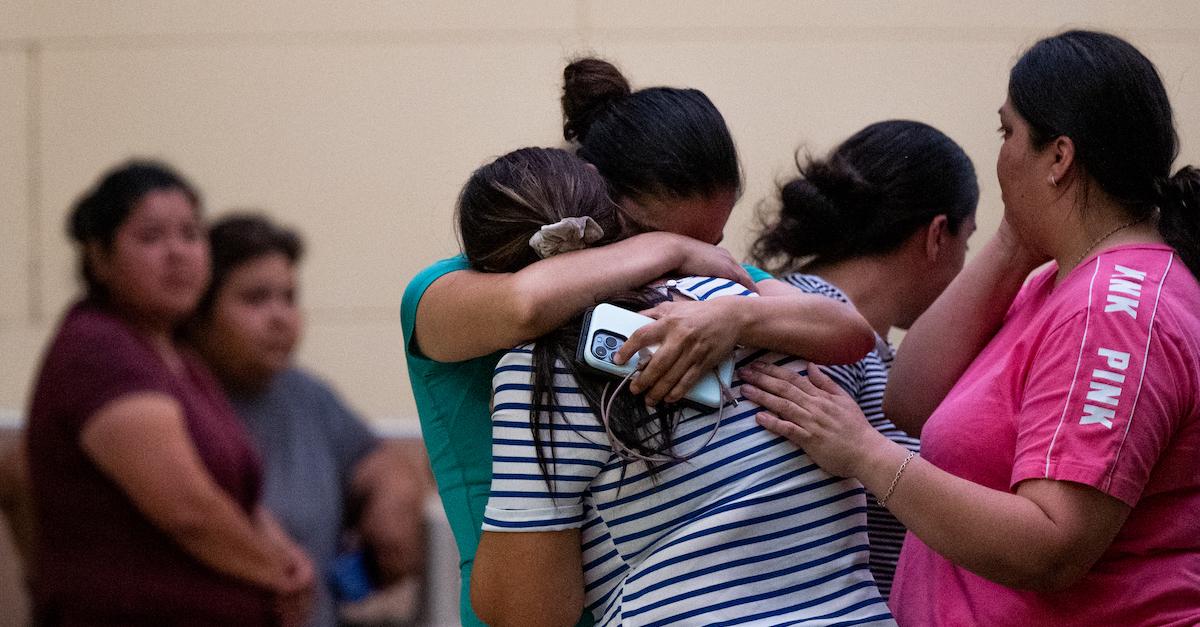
(1106, 236)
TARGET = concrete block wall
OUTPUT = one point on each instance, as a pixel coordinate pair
(357, 123)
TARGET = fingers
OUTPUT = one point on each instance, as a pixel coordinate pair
(781, 406)
(777, 381)
(681, 361)
(648, 335)
(790, 430)
(659, 310)
(823, 382)
(660, 364)
(743, 278)
(689, 380)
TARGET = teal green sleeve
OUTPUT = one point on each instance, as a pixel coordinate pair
(757, 274)
(416, 289)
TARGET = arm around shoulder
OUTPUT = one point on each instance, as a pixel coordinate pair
(467, 314)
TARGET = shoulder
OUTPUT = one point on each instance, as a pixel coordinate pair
(87, 323)
(516, 364)
(299, 383)
(756, 274)
(707, 288)
(1120, 288)
(421, 282)
(813, 284)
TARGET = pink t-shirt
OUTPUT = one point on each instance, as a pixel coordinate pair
(1095, 381)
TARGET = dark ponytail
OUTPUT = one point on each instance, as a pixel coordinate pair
(659, 142)
(1179, 215)
(867, 197)
(1104, 94)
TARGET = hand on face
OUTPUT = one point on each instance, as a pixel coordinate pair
(814, 413)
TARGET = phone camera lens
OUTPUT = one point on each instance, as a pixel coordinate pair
(600, 352)
(611, 342)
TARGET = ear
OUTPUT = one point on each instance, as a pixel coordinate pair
(99, 260)
(935, 236)
(1062, 149)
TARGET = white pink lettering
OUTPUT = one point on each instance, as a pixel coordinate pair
(1101, 393)
(1121, 283)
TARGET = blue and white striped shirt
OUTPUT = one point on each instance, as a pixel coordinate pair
(748, 531)
(865, 381)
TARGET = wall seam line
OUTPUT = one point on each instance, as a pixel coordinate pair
(33, 148)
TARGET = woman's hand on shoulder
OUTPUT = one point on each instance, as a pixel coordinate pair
(814, 413)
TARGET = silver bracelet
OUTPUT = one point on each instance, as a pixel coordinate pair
(892, 488)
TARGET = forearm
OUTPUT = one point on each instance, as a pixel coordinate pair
(1001, 536)
(547, 593)
(944, 341)
(222, 536)
(814, 327)
(514, 308)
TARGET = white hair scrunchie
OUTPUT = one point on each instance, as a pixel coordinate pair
(565, 235)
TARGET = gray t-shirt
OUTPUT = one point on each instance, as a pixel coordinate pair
(310, 443)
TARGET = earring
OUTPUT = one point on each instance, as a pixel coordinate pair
(1050, 179)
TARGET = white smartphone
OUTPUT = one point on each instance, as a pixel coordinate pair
(605, 329)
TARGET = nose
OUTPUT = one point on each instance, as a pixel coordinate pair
(282, 314)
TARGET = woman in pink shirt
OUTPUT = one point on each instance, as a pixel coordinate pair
(1060, 418)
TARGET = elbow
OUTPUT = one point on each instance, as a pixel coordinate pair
(1049, 581)
(525, 322)
(188, 520)
(1048, 575)
(525, 312)
(507, 610)
(857, 339)
(861, 342)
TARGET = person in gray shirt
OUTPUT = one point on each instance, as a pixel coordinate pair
(324, 469)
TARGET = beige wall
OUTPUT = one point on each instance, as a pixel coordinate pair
(358, 122)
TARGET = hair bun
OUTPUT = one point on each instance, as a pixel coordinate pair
(589, 86)
(1182, 188)
(811, 219)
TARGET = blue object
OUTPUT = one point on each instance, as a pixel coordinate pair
(349, 577)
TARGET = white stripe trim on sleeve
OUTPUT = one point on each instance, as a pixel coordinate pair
(1078, 362)
(1112, 471)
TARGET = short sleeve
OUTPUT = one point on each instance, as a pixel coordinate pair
(416, 289)
(522, 499)
(1102, 397)
(101, 361)
(349, 436)
(757, 274)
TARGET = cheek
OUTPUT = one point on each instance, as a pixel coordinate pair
(236, 328)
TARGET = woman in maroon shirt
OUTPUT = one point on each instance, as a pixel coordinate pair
(145, 486)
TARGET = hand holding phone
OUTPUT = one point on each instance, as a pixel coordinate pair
(607, 327)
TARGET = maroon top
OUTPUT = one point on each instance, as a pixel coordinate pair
(98, 559)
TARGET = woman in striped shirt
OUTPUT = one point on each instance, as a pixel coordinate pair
(882, 223)
(643, 516)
